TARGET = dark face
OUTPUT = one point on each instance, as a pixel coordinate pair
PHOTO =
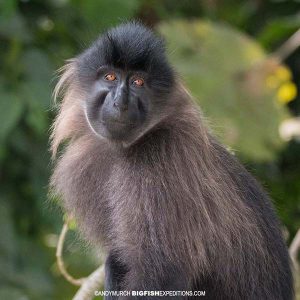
(120, 103)
(128, 81)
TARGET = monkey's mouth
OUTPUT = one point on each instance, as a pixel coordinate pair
(117, 122)
(117, 129)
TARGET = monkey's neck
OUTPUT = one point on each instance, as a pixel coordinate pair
(183, 126)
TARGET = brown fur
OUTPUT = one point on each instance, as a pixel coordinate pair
(173, 198)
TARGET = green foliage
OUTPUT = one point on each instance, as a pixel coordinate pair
(214, 59)
(104, 14)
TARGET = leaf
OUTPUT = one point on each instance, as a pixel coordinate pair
(12, 293)
(278, 29)
(35, 89)
(10, 112)
(15, 27)
(214, 61)
(7, 8)
(106, 13)
(37, 66)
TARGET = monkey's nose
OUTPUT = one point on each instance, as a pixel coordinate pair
(121, 104)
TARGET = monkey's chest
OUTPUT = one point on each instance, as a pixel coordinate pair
(145, 213)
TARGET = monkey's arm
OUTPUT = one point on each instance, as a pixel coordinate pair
(114, 274)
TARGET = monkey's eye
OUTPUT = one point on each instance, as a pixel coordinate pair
(138, 82)
(110, 77)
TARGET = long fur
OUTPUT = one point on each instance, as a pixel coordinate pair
(175, 198)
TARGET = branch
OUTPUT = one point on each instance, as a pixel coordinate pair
(294, 249)
(288, 47)
(90, 285)
(59, 258)
(254, 77)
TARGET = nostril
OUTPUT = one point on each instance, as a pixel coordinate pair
(121, 106)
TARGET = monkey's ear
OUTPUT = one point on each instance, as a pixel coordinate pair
(68, 119)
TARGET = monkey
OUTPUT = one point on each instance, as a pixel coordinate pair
(146, 179)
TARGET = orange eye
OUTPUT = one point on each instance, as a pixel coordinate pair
(110, 77)
(138, 82)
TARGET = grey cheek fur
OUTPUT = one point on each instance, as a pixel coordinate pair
(88, 122)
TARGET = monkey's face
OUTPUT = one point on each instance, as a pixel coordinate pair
(127, 80)
(119, 104)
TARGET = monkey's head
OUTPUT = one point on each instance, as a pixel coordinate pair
(127, 82)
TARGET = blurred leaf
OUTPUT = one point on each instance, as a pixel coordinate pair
(8, 245)
(7, 8)
(102, 14)
(35, 90)
(37, 66)
(15, 28)
(10, 111)
(13, 293)
(278, 29)
(37, 95)
(214, 61)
